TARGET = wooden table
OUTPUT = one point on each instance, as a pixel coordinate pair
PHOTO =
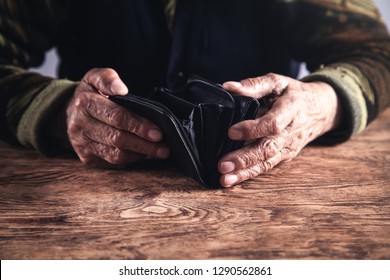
(329, 203)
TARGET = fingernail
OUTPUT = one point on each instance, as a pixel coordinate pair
(231, 180)
(235, 134)
(227, 166)
(118, 87)
(162, 153)
(155, 134)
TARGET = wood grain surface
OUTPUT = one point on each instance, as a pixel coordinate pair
(328, 203)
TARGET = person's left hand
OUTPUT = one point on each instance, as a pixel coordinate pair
(299, 113)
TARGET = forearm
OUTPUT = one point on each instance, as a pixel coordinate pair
(361, 84)
(352, 88)
(28, 102)
(348, 47)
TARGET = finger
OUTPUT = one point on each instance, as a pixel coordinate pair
(99, 155)
(251, 154)
(105, 80)
(116, 116)
(230, 179)
(259, 87)
(97, 162)
(123, 140)
(272, 123)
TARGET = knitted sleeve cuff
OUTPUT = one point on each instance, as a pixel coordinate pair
(30, 131)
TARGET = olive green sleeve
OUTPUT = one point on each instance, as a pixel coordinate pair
(30, 130)
(28, 100)
(352, 87)
(346, 44)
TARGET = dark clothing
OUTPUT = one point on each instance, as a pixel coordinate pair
(345, 43)
(208, 38)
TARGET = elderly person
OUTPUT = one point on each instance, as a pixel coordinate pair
(252, 47)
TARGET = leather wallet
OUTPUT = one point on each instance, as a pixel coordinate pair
(195, 120)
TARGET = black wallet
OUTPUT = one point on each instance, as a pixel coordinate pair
(195, 120)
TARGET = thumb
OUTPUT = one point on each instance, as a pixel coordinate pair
(117, 87)
(259, 87)
(106, 81)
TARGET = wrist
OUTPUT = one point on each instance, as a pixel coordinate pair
(331, 106)
(57, 129)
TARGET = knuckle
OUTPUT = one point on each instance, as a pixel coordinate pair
(276, 125)
(93, 71)
(107, 71)
(98, 149)
(82, 104)
(99, 77)
(73, 127)
(85, 155)
(105, 77)
(116, 117)
(245, 159)
(120, 158)
(77, 135)
(117, 139)
(272, 76)
(116, 157)
(109, 154)
(92, 77)
(268, 148)
(280, 82)
(293, 96)
(79, 101)
(265, 166)
(87, 160)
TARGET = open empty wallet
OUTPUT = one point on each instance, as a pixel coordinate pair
(195, 120)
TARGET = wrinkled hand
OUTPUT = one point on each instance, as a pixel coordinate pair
(103, 133)
(299, 113)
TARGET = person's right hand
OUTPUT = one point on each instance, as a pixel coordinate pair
(105, 134)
